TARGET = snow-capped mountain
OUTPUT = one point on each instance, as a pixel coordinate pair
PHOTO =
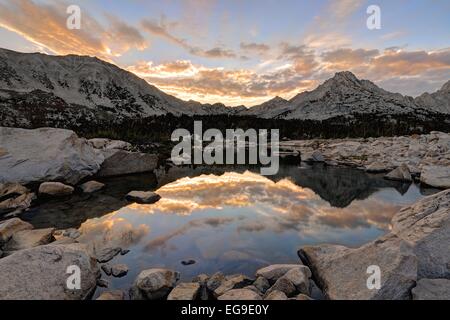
(438, 101)
(38, 85)
(342, 95)
(43, 90)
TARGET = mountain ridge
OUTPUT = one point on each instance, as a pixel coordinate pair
(69, 88)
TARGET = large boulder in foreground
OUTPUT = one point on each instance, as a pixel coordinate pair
(40, 273)
(121, 162)
(432, 289)
(416, 248)
(46, 154)
(436, 176)
(342, 272)
(426, 225)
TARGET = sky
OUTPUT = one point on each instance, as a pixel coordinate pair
(244, 52)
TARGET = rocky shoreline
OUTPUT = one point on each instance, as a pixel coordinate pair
(414, 258)
(424, 158)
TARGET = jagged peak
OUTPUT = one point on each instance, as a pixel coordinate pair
(446, 87)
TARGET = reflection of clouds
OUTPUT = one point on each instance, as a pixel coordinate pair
(363, 214)
(112, 230)
(276, 207)
(161, 241)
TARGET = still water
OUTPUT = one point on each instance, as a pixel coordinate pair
(231, 220)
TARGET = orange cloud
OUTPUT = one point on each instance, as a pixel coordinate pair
(50, 31)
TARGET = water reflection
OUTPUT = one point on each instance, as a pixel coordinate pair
(229, 219)
(237, 222)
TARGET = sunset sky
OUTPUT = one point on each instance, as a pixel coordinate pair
(244, 51)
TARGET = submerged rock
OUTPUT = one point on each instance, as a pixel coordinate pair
(240, 294)
(154, 284)
(185, 291)
(436, 176)
(432, 289)
(144, 197)
(55, 189)
(46, 154)
(41, 273)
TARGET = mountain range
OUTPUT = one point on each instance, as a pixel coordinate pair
(40, 88)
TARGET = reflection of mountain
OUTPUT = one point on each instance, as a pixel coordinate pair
(340, 186)
(337, 185)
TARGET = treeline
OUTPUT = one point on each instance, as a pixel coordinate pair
(160, 128)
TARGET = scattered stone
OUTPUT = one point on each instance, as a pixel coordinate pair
(46, 154)
(107, 269)
(124, 252)
(120, 162)
(377, 167)
(11, 190)
(232, 282)
(276, 295)
(64, 240)
(284, 285)
(119, 270)
(187, 262)
(432, 289)
(262, 284)
(27, 239)
(112, 295)
(253, 288)
(91, 186)
(71, 233)
(302, 296)
(106, 254)
(240, 294)
(275, 271)
(185, 291)
(17, 204)
(103, 283)
(299, 277)
(436, 176)
(317, 156)
(144, 197)
(55, 189)
(40, 273)
(401, 173)
(107, 144)
(9, 227)
(201, 278)
(154, 284)
(215, 281)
